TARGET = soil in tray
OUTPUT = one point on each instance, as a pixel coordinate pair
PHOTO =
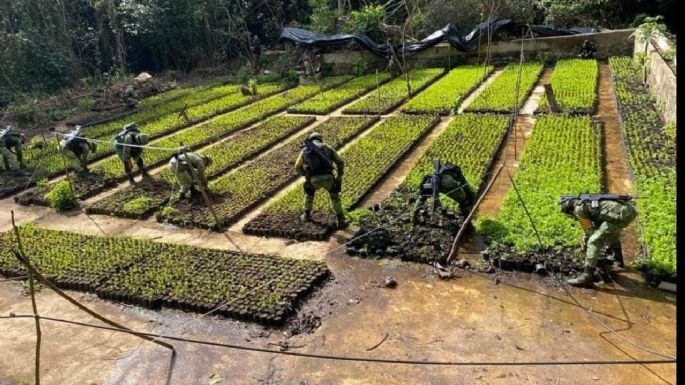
(193, 210)
(155, 192)
(390, 233)
(289, 225)
(86, 183)
(11, 183)
(562, 260)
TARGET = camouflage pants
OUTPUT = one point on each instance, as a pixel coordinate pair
(327, 183)
(606, 234)
(78, 163)
(11, 159)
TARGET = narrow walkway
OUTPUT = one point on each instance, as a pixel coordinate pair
(617, 174)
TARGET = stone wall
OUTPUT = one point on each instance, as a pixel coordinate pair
(661, 79)
(609, 43)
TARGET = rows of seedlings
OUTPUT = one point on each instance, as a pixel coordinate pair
(651, 149)
(251, 287)
(449, 92)
(367, 162)
(246, 188)
(335, 98)
(143, 199)
(470, 141)
(396, 91)
(195, 136)
(575, 84)
(44, 160)
(500, 95)
(563, 157)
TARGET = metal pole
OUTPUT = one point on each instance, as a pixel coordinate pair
(378, 89)
(39, 335)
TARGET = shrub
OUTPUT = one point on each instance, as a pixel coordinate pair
(61, 197)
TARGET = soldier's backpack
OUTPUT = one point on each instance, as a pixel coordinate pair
(315, 161)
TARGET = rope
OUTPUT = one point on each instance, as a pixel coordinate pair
(352, 358)
(126, 145)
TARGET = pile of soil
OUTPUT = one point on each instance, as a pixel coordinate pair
(390, 232)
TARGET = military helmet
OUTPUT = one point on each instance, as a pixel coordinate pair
(142, 139)
(315, 136)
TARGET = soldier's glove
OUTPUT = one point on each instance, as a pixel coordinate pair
(583, 244)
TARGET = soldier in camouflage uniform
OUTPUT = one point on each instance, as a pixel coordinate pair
(126, 146)
(11, 149)
(130, 97)
(452, 183)
(190, 181)
(316, 163)
(602, 222)
(77, 148)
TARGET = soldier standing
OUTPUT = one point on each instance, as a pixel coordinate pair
(317, 162)
(128, 146)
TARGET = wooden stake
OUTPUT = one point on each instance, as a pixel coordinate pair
(39, 335)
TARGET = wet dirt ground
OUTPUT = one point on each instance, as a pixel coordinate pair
(470, 318)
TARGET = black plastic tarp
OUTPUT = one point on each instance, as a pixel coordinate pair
(467, 43)
(313, 39)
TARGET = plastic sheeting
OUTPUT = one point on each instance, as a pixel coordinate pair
(467, 43)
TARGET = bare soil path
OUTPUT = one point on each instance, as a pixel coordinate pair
(617, 175)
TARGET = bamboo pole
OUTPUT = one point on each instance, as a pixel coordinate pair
(39, 334)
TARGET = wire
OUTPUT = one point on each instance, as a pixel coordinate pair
(351, 358)
(124, 144)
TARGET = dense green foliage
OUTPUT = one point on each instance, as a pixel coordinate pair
(652, 153)
(500, 95)
(394, 92)
(257, 287)
(447, 93)
(470, 141)
(252, 184)
(574, 82)
(562, 157)
(61, 196)
(328, 101)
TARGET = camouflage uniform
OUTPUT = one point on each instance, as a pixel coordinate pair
(180, 167)
(130, 97)
(458, 191)
(12, 150)
(128, 153)
(77, 151)
(326, 181)
(602, 227)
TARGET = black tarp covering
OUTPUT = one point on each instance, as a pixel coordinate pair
(313, 39)
(449, 33)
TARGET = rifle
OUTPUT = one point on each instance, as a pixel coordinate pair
(595, 198)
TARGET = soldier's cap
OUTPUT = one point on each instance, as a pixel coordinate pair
(315, 135)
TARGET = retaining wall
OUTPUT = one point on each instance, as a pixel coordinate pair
(609, 43)
(661, 79)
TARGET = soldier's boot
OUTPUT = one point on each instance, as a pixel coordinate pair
(616, 257)
(340, 221)
(306, 216)
(585, 279)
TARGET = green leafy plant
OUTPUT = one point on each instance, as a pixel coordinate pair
(500, 95)
(574, 82)
(330, 100)
(61, 197)
(447, 93)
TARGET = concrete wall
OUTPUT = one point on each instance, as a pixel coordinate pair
(609, 43)
(661, 79)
